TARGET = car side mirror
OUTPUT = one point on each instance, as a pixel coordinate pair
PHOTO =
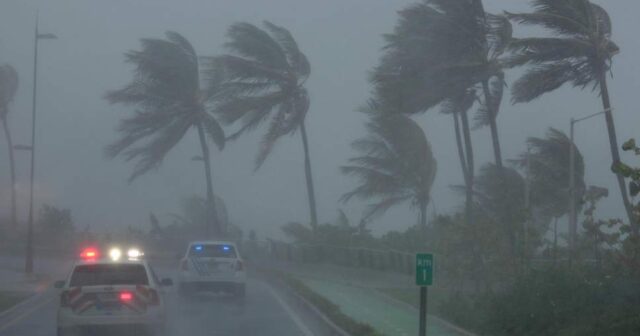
(59, 284)
(166, 282)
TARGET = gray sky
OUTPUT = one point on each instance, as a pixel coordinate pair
(342, 39)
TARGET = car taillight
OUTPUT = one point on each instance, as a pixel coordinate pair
(239, 265)
(184, 265)
(126, 296)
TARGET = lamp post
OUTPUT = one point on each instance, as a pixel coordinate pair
(573, 216)
(28, 267)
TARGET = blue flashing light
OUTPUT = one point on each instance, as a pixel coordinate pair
(226, 248)
(198, 247)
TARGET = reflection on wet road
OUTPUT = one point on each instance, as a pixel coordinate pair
(262, 312)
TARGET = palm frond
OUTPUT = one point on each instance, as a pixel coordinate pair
(397, 164)
(297, 60)
(541, 50)
(255, 44)
(540, 80)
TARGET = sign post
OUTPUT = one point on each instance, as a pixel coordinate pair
(424, 278)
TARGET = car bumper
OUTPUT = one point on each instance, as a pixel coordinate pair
(236, 278)
(152, 319)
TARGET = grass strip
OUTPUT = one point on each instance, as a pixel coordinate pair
(328, 308)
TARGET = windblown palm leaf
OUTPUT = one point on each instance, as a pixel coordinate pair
(582, 50)
(169, 102)
(261, 80)
(396, 163)
(440, 48)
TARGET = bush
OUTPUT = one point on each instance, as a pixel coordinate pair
(557, 302)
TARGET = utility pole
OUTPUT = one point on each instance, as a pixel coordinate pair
(573, 216)
(28, 267)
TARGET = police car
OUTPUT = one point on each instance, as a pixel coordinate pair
(212, 266)
(119, 292)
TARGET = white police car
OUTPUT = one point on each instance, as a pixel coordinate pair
(118, 293)
(212, 266)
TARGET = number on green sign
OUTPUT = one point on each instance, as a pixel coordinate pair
(424, 269)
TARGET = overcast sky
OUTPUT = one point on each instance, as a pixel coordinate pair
(342, 39)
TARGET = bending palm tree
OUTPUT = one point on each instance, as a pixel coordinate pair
(549, 172)
(264, 79)
(581, 56)
(8, 88)
(396, 165)
(166, 92)
(424, 61)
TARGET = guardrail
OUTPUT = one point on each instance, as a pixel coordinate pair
(360, 257)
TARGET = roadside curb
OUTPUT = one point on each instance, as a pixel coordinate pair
(33, 296)
(334, 329)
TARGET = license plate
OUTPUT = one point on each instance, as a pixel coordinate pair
(107, 297)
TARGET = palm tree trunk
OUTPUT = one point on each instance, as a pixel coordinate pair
(213, 226)
(12, 171)
(555, 241)
(309, 177)
(423, 214)
(466, 131)
(463, 162)
(493, 125)
(615, 153)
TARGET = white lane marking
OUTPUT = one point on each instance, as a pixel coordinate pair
(25, 314)
(296, 319)
(25, 302)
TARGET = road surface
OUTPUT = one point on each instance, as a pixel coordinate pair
(262, 312)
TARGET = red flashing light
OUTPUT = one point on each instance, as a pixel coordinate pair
(126, 296)
(89, 254)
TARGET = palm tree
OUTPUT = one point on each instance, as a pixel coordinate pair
(8, 88)
(499, 195)
(263, 78)
(443, 47)
(580, 53)
(169, 102)
(395, 165)
(549, 164)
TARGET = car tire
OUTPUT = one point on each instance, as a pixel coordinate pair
(240, 291)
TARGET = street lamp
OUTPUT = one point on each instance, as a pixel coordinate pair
(573, 217)
(28, 267)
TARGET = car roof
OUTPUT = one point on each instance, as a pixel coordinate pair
(212, 242)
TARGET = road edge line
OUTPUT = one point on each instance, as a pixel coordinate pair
(33, 297)
(292, 314)
(22, 316)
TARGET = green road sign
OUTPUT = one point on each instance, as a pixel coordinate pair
(424, 269)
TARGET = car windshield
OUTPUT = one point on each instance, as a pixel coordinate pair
(212, 251)
(108, 274)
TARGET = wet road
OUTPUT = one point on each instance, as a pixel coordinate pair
(262, 312)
